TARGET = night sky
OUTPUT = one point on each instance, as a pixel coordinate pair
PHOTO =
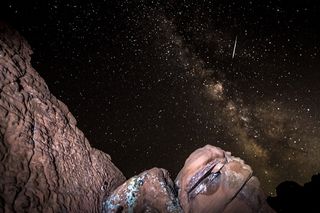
(151, 81)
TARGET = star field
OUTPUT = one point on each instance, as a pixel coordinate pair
(151, 81)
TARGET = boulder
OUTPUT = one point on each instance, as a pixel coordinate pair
(211, 181)
(150, 191)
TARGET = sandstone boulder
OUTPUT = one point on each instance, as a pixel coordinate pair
(150, 191)
(211, 181)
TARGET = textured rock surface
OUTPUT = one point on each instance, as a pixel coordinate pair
(150, 191)
(211, 181)
(46, 163)
(214, 181)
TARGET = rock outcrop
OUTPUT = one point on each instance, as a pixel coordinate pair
(150, 191)
(211, 181)
(293, 197)
(46, 163)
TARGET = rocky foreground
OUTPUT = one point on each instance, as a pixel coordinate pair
(47, 164)
(211, 180)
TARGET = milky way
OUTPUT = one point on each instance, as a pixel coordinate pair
(277, 138)
(150, 82)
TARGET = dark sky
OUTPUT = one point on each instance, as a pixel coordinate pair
(151, 81)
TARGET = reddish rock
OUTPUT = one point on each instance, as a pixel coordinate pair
(211, 181)
(46, 163)
(214, 181)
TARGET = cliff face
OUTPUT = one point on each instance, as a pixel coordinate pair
(46, 163)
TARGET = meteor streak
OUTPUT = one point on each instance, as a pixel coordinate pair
(234, 47)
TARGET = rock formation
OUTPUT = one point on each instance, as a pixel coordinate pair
(293, 197)
(211, 181)
(150, 191)
(46, 163)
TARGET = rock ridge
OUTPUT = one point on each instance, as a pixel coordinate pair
(46, 162)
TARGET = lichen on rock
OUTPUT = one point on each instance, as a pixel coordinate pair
(150, 191)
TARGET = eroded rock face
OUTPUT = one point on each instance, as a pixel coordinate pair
(46, 163)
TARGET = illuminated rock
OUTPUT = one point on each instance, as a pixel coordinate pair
(211, 181)
(46, 163)
(214, 181)
(150, 191)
